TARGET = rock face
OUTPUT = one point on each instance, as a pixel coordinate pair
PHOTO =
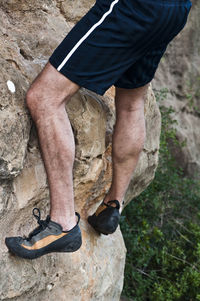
(179, 72)
(30, 30)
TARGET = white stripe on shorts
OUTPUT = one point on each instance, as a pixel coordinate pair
(87, 34)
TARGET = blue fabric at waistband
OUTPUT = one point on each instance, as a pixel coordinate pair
(170, 2)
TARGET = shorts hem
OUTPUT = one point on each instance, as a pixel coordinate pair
(133, 86)
(77, 80)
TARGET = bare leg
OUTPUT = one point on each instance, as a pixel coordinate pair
(46, 100)
(128, 139)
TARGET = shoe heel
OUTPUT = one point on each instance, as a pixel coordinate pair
(72, 247)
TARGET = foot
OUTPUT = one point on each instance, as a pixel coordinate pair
(46, 238)
(106, 218)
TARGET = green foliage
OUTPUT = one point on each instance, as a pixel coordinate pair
(161, 229)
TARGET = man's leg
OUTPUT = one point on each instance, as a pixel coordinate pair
(128, 139)
(46, 101)
(127, 144)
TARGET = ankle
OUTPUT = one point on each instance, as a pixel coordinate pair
(111, 198)
(67, 222)
(120, 200)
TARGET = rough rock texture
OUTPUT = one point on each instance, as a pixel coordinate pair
(179, 72)
(29, 32)
(14, 123)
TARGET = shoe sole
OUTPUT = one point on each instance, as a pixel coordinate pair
(70, 248)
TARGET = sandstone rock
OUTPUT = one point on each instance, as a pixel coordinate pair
(14, 122)
(179, 72)
(73, 11)
(30, 30)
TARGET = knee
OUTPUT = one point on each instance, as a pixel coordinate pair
(31, 99)
(41, 102)
(35, 103)
(132, 106)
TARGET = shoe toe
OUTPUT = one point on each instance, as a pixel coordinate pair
(12, 241)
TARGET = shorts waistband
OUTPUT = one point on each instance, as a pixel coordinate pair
(173, 1)
(169, 2)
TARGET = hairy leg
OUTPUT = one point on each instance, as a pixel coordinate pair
(46, 100)
(128, 139)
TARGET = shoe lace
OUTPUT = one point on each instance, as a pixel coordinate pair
(43, 224)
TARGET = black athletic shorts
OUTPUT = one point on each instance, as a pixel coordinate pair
(119, 42)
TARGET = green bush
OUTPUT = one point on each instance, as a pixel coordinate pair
(161, 229)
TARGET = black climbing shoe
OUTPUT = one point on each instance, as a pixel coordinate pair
(46, 238)
(106, 218)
